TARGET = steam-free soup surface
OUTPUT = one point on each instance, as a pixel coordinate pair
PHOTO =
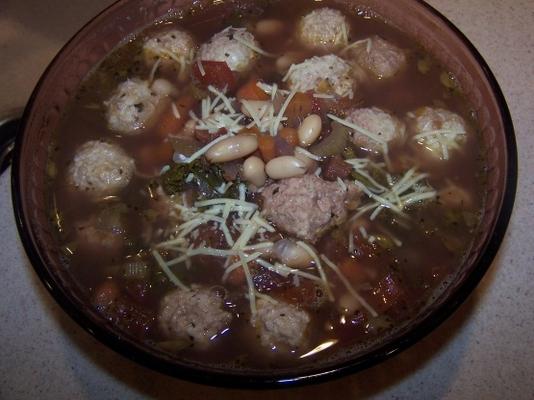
(264, 185)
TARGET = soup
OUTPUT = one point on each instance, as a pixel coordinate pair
(264, 185)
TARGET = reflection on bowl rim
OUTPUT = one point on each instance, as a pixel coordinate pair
(136, 353)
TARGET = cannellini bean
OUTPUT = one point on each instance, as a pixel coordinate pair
(289, 253)
(348, 303)
(163, 87)
(253, 106)
(232, 148)
(310, 130)
(254, 171)
(285, 167)
(269, 27)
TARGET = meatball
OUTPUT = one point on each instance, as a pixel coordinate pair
(378, 56)
(327, 74)
(437, 131)
(195, 314)
(379, 123)
(324, 28)
(100, 168)
(131, 107)
(229, 46)
(280, 323)
(103, 233)
(174, 45)
(305, 206)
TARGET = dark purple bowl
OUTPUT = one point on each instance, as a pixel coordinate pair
(94, 41)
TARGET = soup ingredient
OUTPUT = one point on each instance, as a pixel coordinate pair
(254, 171)
(285, 167)
(280, 323)
(195, 314)
(103, 233)
(174, 46)
(289, 253)
(324, 28)
(100, 168)
(305, 206)
(378, 56)
(437, 131)
(131, 107)
(327, 75)
(380, 124)
(235, 46)
(162, 87)
(310, 130)
(232, 148)
(333, 144)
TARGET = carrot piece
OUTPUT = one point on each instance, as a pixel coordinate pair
(299, 108)
(267, 147)
(251, 91)
(290, 135)
(168, 123)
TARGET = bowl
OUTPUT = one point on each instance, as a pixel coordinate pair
(94, 41)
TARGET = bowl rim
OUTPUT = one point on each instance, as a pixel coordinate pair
(233, 380)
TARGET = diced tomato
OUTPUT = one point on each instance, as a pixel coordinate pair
(251, 91)
(387, 293)
(290, 135)
(168, 124)
(335, 167)
(267, 147)
(300, 106)
(217, 74)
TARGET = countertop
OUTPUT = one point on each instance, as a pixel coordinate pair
(485, 350)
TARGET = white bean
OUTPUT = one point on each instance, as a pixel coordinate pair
(254, 171)
(289, 253)
(285, 167)
(163, 87)
(232, 148)
(269, 27)
(310, 130)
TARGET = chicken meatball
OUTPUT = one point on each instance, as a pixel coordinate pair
(174, 46)
(281, 324)
(327, 74)
(233, 46)
(195, 314)
(324, 28)
(378, 56)
(100, 168)
(380, 124)
(305, 206)
(437, 131)
(131, 107)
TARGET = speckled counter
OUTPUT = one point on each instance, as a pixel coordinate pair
(485, 351)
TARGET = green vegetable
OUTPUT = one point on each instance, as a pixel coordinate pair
(174, 346)
(205, 178)
(334, 143)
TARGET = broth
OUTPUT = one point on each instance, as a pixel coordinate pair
(389, 262)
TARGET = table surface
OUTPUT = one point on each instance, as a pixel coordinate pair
(485, 350)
